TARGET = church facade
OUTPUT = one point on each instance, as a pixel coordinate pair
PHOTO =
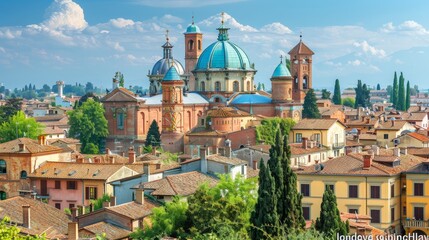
(221, 75)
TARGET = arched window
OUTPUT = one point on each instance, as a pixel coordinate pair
(199, 44)
(305, 82)
(2, 166)
(120, 120)
(235, 86)
(248, 86)
(203, 86)
(3, 195)
(23, 174)
(190, 45)
(217, 86)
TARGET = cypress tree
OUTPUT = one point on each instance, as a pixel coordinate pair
(310, 109)
(378, 86)
(400, 105)
(337, 93)
(275, 165)
(407, 97)
(153, 137)
(329, 221)
(365, 96)
(394, 96)
(358, 91)
(264, 218)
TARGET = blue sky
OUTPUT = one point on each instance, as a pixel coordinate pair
(89, 40)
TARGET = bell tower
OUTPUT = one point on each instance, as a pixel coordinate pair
(172, 111)
(301, 70)
(193, 49)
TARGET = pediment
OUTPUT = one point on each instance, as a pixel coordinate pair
(119, 95)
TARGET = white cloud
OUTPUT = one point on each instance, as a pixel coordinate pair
(356, 62)
(388, 27)
(65, 15)
(408, 27)
(365, 47)
(118, 47)
(276, 27)
(168, 18)
(10, 34)
(183, 3)
(122, 23)
(229, 22)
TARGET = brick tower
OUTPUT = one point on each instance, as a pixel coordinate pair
(193, 49)
(301, 68)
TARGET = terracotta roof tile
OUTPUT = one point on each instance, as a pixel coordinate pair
(228, 160)
(397, 125)
(72, 170)
(134, 210)
(322, 124)
(227, 112)
(44, 218)
(418, 136)
(183, 184)
(111, 231)
(30, 146)
(416, 116)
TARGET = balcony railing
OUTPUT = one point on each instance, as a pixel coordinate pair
(410, 223)
(338, 145)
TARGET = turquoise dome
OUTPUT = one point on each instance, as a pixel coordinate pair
(281, 71)
(223, 54)
(192, 29)
(171, 75)
(251, 99)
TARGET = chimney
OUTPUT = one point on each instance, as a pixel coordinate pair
(131, 155)
(154, 150)
(203, 161)
(108, 151)
(367, 120)
(304, 143)
(146, 169)
(393, 122)
(157, 165)
(112, 201)
(255, 164)
(363, 118)
(74, 213)
(26, 217)
(376, 150)
(140, 196)
(106, 204)
(367, 161)
(73, 231)
(396, 152)
(111, 159)
(41, 140)
(221, 151)
(139, 150)
(79, 159)
(228, 150)
(21, 147)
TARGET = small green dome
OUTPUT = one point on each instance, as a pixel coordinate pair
(171, 75)
(281, 71)
(192, 29)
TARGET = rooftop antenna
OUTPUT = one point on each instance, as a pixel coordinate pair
(166, 35)
(192, 18)
(223, 17)
(300, 36)
(281, 58)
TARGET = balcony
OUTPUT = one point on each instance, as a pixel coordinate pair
(410, 223)
(338, 145)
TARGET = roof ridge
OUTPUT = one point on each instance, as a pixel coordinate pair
(171, 185)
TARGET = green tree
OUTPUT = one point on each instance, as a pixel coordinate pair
(365, 96)
(336, 99)
(20, 126)
(349, 102)
(88, 124)
(310, 109)
(8, 231)
(408, 97)
(265, 220)
(46, 88)
(330, 222)
(89, 87)
(389, 90)
(153, 137)
(400, 105)
(98, 203)
(394, 96)
(288, 64)
(11, 107)
(362, 95)
(378, 86)
(166, 221)
(326, 94)
(265, 131)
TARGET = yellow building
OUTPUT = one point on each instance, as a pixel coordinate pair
(327, 132)
(416, 191)
(389, 130)
(368, 184)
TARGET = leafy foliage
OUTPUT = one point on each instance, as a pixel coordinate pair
(8, 231)
(98, 203)
(11, 107)
(362, 95)
(88, 124)
(310, 109)
(20, 126)
(330, 222)
(336, 99)
(153, 137)
(326, 94)
(265, 131)
(349, 102)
